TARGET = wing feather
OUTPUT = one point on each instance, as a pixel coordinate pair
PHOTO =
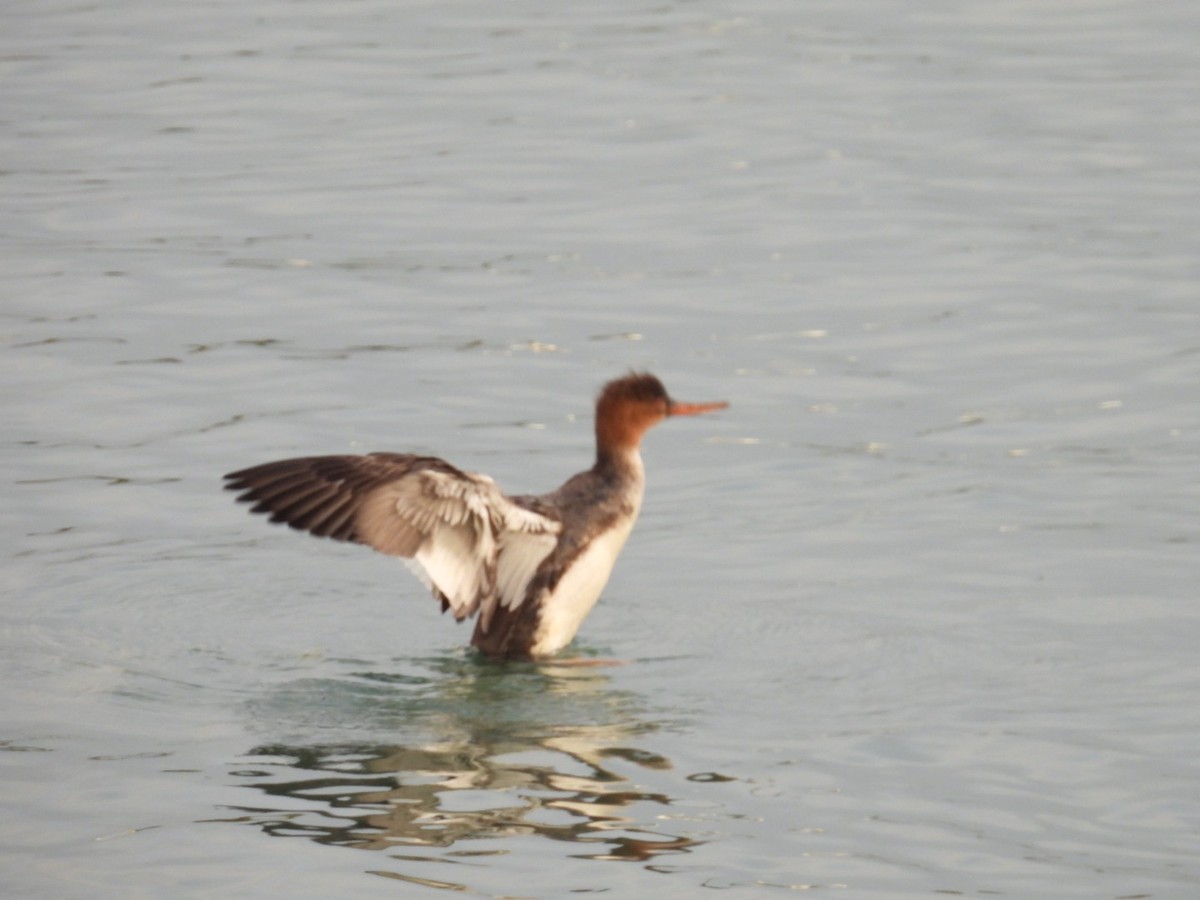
(471, 545)
(520, 555)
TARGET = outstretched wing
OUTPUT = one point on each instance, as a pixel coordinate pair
(471, 545)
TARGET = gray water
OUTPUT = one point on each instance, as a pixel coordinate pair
(916, 617)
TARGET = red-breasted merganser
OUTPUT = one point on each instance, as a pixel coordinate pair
(532, 567)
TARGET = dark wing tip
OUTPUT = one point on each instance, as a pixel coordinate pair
(313, 494)
(321, 494)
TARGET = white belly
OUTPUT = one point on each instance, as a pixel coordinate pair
(578, 590)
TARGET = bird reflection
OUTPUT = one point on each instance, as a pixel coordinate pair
(481, 751)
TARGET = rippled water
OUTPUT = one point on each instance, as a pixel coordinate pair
(915, 617)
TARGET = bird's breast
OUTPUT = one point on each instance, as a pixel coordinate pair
(564, 607)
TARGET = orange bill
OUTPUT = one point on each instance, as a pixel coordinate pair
(675, 408)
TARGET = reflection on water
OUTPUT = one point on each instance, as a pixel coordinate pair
(457, 752)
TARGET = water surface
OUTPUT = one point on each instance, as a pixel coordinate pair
(915, 617)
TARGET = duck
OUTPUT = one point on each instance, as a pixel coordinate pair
(528, 568)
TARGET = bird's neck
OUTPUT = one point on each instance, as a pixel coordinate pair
(620, 463)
